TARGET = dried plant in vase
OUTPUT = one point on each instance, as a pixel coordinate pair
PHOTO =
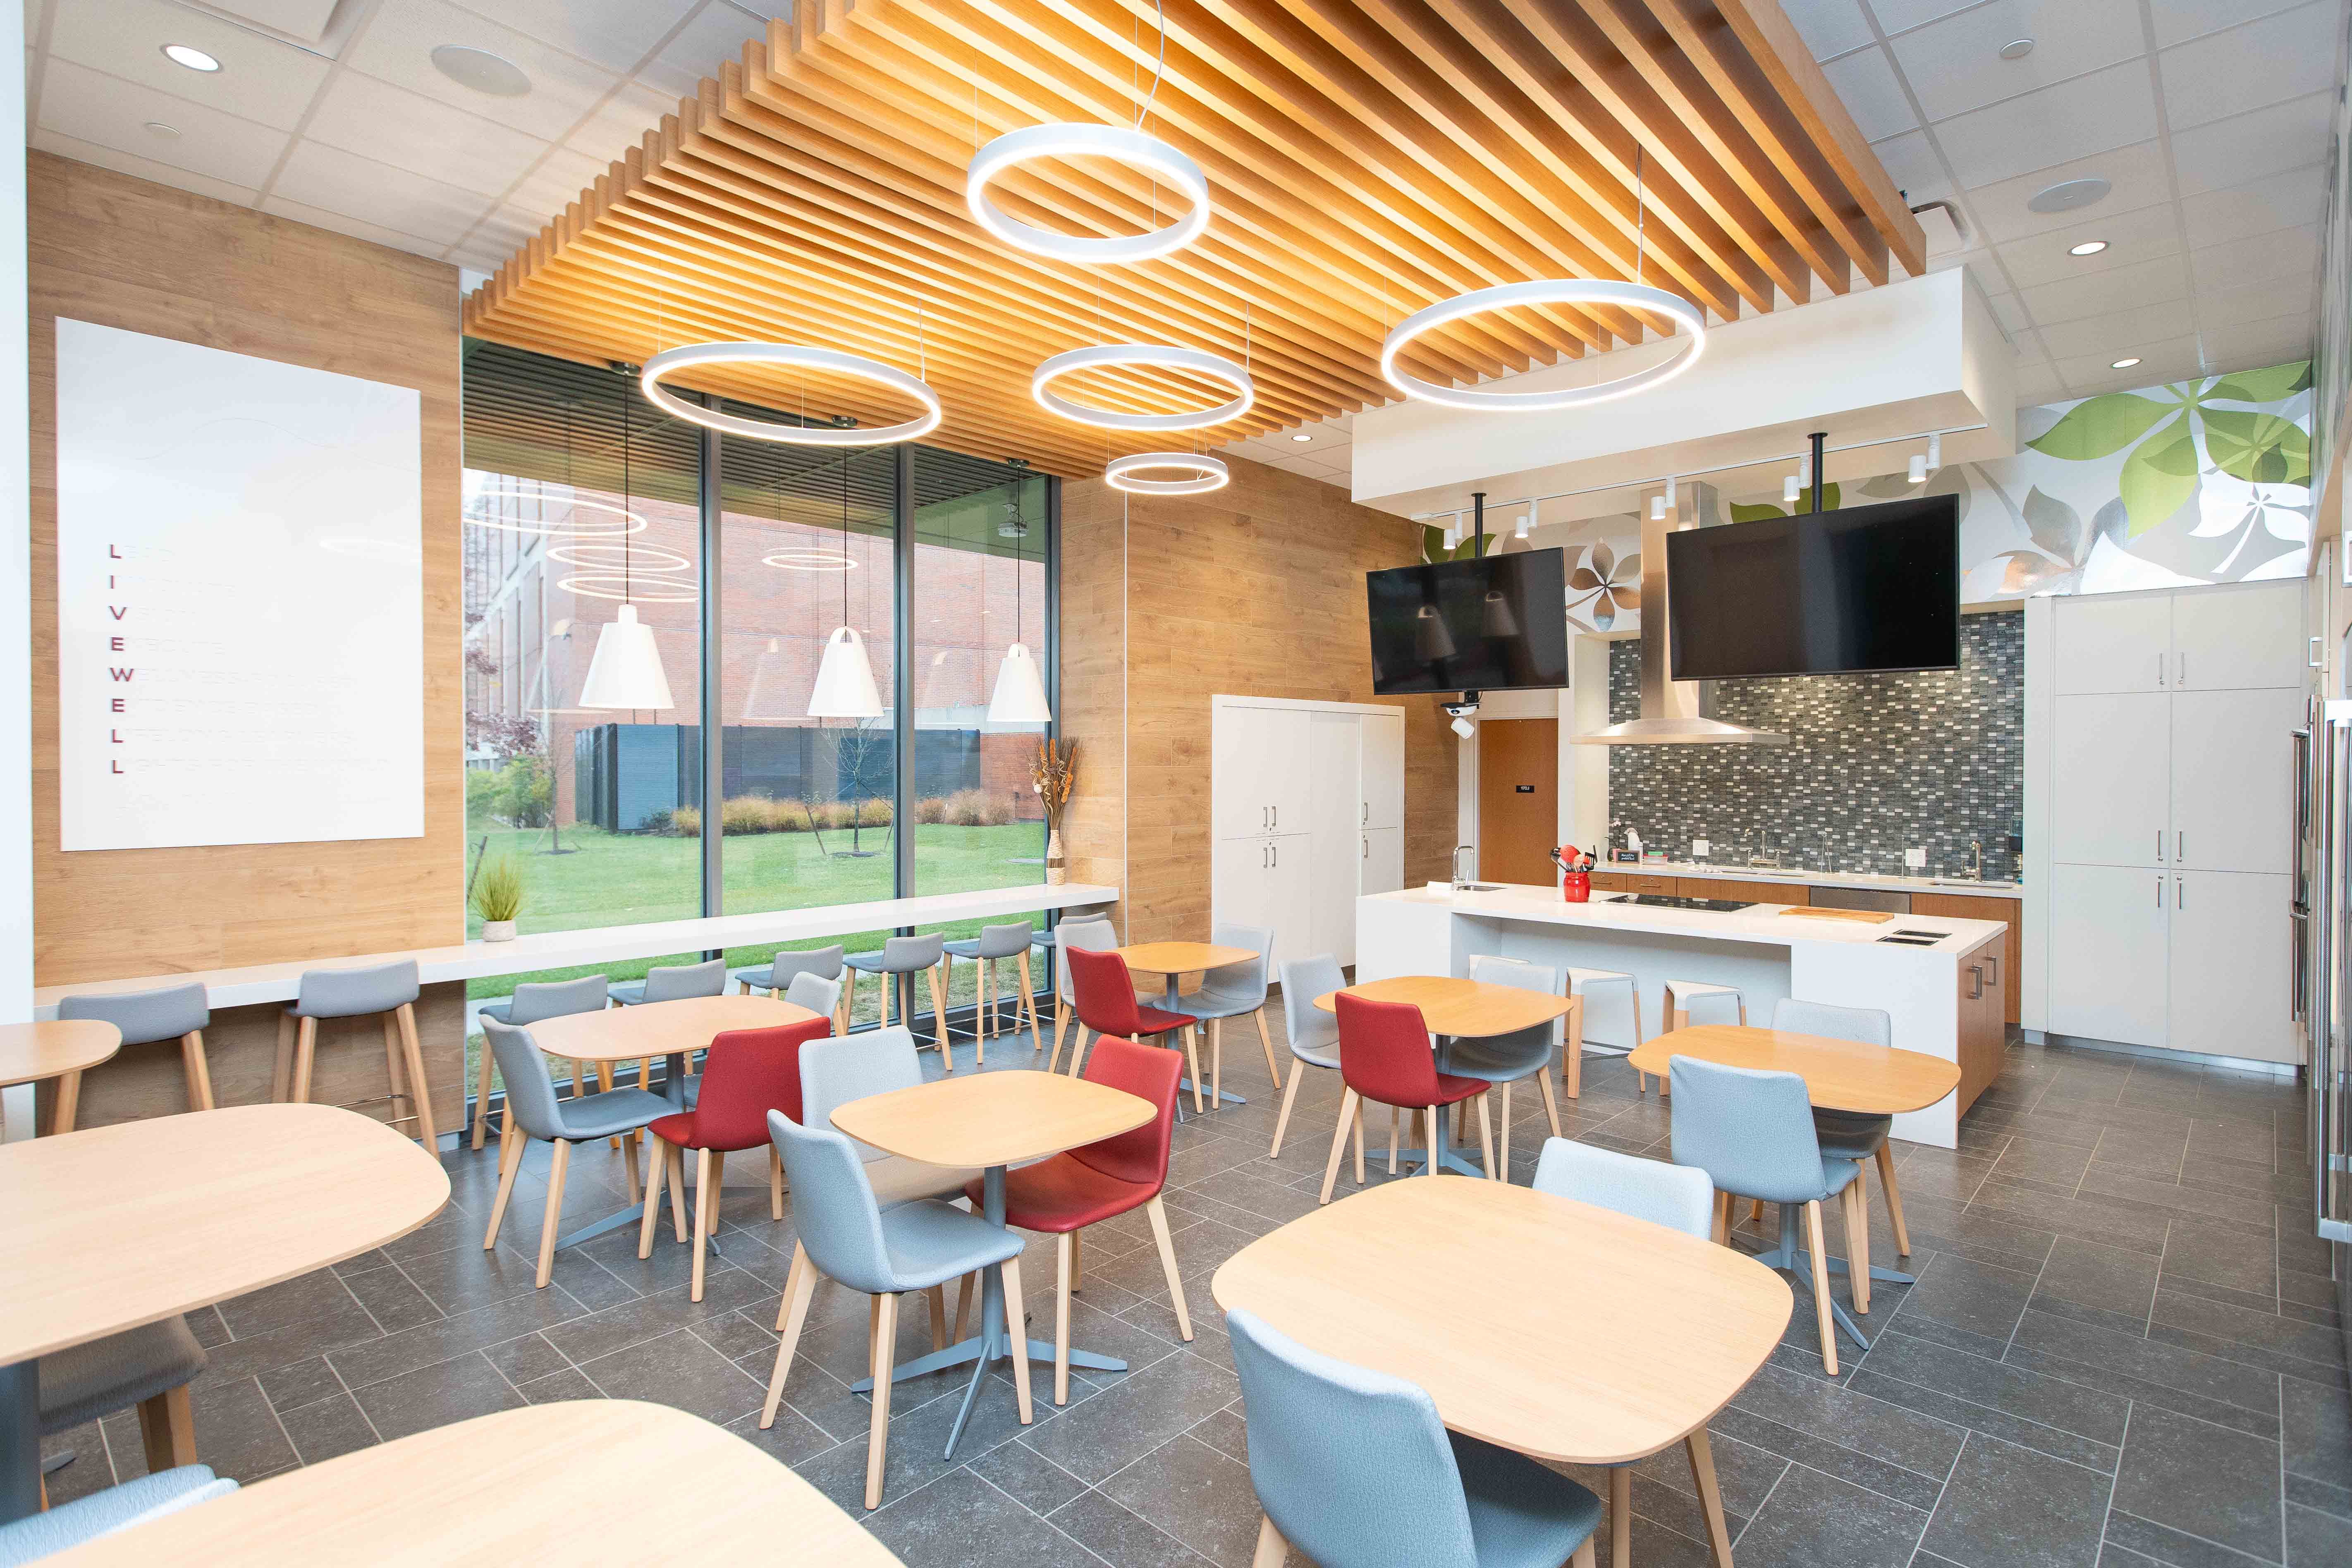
(1052, 775)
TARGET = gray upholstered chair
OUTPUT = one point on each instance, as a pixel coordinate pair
(1354, 1468)
(1752, 1133)
(1233, 992)
(134, 1502)
(388, 991)
(850, 1238)
(1095, 934)
(1677, 1196)
(990, 947)
(837, 1070)
(673, 983)
(1845, 1135)
(1314, 1034)
(534, 1112)
(150, 1366)
(534, 1000)
(178, 1013)
(818, 995)
(776, 975)
(907, 955)
(1507, 1059)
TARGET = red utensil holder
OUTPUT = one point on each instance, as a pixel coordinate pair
(1576, 887)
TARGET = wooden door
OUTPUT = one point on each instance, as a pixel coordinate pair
(2113, 643)
(2109, 952)
(2112, 756)
(2238, 638)
(2233, 779)
(1519, 799)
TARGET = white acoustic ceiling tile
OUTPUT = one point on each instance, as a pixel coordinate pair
(2179, 20)
(2037, 384)
(717, 33)
(375, 234)
(772, 10)
(614, 34)
(1899, 15)
(2010, 312)
(1910, 162)
(2258, 344)
(2119, 332)
(1307, 467)
(1955, 64)
(1828, 26)
(261, 78)
(397, 46)
(1866, 84)
(2138, 172)
(124, 162)
(2290, 199)
(90, 106)
(2253, 303)
(2257, 258)
(2131, 238)
(2107, 109)
(621, 121)
(2142, 283)
(2245, 147)
(422, 135)
(339, 182)
(2226, 73)
(2162, 359)
(553, 185)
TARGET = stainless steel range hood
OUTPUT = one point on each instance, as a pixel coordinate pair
(1672, 711)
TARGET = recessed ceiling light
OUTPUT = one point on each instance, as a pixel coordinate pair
(2069, 194)
(186, 54)
(2017, 48)
(2088, 247)
(2125, 363)
(482, 70)
(157, 128)
(1302, 435)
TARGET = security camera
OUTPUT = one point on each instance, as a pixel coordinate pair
(1461, 712)
(1463, 727)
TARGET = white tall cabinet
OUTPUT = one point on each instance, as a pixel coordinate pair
(2159, 795)
(1306, 803)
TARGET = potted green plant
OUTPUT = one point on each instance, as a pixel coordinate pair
(497, 897)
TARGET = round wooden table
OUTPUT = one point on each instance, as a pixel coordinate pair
(59, 1048)
(991, 1120)
(1590, 1338)
(117, 1226)
(537, 1483)
(1172, 961)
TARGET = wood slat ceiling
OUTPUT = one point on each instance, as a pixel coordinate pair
(1365, 158)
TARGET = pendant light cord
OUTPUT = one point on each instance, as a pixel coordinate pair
(1144, 109)
(626, 587)
(1641, 216)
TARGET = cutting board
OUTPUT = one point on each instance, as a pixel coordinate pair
(1868, 917)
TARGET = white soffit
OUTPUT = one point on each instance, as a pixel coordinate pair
(1875, 365)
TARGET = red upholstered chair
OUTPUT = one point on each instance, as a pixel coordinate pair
(746, 1074)
(1063, 1196)
(1385, 1057)
(1107, 1004)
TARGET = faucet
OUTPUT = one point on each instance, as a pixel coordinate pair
(1759, 858)
(1976, 859)
(1461, 881)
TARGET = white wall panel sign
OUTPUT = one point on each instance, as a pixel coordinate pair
(240, 598)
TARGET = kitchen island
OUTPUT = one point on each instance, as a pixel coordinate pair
(1942, 987)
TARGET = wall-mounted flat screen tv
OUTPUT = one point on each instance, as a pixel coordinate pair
(1497, 623)
(1831, 592)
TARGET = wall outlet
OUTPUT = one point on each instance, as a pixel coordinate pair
(1916, 859)
(1698, 849)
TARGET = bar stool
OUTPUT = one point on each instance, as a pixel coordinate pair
(992, 946)
(907, 955)
(1092, 936)
(532, 1001)
(171, 1012)
(1713, 1003)
(775, 976)
(1602, 984)
(388, 991)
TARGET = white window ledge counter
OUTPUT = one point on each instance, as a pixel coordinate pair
(1765, 955)
(267, 983)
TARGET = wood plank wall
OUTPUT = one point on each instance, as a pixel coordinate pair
(1256, 589)
(122, 252)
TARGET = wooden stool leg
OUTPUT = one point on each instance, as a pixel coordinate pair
(800, 1284)
(68, 1102)
(1571, 1067)
(428, 1132)
(884, 1355)
(551, 1222)
(306, 1040)
(167, 1430)
(1339, 1143)
(281, 1077)
(940, 1019)
(482, 1094)
(199, 1071)
(1894, 1199)
(1062, 1250)
(1029, 1000)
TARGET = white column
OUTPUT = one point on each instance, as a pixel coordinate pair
(16, 578)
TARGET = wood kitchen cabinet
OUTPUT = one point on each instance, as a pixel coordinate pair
(1746, 892)
(1631, 882)
(2011, 912)
(1983, 1033)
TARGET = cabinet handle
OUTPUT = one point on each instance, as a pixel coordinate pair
(2180, 847)
(2313, 660)
(2181, 892)
(1992, 965)
(2160, 670)
(2180, 669)
(2159, 846)
(2160, 892)
(1278, 853)
(1368, 846)
(1977, 975)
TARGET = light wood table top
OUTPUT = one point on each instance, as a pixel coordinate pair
(1468, 1010)
(1182, 957)
(1840, 1075)
(659, 1028)
(30, 1052)
(548, 1483)
(1592, 1338)
(984, 1119)
(115, 1227)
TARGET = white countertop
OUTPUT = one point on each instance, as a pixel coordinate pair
(606, 945)
(1761, 923)
(1964, 886)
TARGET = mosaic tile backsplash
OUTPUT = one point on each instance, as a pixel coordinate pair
(1875, 764)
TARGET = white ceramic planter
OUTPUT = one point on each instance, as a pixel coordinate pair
(498, 930)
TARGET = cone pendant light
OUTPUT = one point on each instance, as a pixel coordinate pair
(1020, 695)
(845, 680)
(627, 671)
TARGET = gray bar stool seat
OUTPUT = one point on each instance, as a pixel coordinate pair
(907, 955)
(179, 1013)
(990, 947)
(150, 1366)
(532, 1001)
(385, 991)
(664, 983)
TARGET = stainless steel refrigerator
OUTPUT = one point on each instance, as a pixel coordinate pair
(2322, 913)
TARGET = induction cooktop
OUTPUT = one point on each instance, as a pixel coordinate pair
(1671, 902)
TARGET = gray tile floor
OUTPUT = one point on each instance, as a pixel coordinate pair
(2120, 1349)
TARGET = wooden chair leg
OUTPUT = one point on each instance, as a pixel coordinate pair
(706, 1166)
(395, 1071)
(306, 1040)
(1078, 1262)
(1396, 1118)
(888, 984)
(167, 1430)
(1857, 1241)
(1016, 1333)
(1487, 1138)
(1216, 1063)
(1160, 1239)
(69, 1104)
(656, 1171)
(884, 1355)
(1582, 1557)
(1894, 1199)
(604, 1086)
(775, 1183)
(1432, 1124)
(427, 1130)
(1551, 1103)
(1721, 1231)
(1358, 1131)
(1339, 1143)
(1061, 1022)
(940, 1019)
(800, 1284)
(1282, 1118)
(1503, 1138)
(1821, 1288)
(676, 1158)
(281, 1076)
(510, 1142)
(1271, 1547)
(967, 1302)
(1265, 1043)
(199, 1071)
(629, 1143)
(1062, 1261)
(848, 999)
(1079, 1050)
(1621, 1517)
(1710, 1496)
(1571, 1067)
(482, 1095)
(1192, 1055)
(553, 1220)
(937, 1296)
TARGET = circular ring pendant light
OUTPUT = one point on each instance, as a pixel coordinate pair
(811, 560)
(619, 557)
(1545, 292)
(1066, 140)
(1156, 356)
(611, 521)
(804, 358)
(1207, 473)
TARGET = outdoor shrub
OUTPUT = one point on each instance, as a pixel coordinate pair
(684, 822)
(747, 814)
(877, 812)
(931, 808)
